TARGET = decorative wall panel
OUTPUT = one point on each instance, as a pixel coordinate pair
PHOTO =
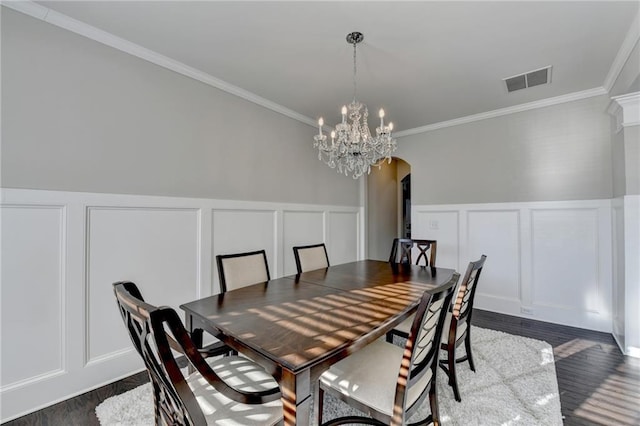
(300, 228)
(158, 249)
(343, 237)
(550, 261)
(565, 259)
(237, 231)
(33, 287)
(497, 235)
(442, 226)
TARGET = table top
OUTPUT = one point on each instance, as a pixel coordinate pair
(304, 320)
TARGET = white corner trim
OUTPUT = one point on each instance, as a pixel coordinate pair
(505, 111)
(632, 37)
(626, 109)
(615, 110)
(63, 21)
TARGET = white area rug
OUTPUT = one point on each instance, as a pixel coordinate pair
(514, 384)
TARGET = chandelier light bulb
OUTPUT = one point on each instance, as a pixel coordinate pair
(320, 124)
(390, 127)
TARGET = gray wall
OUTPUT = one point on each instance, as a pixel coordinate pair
(382, 210)
(632, 159)
(81, 116)
(561, 152)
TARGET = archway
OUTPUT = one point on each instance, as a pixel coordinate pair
(388, 207)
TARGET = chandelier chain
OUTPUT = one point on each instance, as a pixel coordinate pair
(355, 70)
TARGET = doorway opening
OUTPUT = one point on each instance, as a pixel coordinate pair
(405, 184)
(388, 196)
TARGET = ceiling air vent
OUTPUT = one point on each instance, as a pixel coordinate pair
(528, 79)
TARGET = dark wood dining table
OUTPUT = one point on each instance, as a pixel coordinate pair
(296, 327)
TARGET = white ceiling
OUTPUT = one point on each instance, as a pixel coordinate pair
(424, 62)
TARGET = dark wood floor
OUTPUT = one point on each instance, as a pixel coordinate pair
(598, 385)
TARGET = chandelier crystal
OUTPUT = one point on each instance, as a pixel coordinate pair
(352, 148)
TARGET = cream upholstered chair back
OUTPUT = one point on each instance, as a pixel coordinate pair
(242, 269)
(311, 257)
(463, 300)
(422, 348)
(392, 394)
(457, 325)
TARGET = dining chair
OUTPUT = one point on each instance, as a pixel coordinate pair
(242, 269)
(457, 327)
(311, 257)
(425, 247)
(392, 394)
(404, 247)
(221, 390)
(401, 250)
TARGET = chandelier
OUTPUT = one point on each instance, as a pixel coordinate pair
(352, 148)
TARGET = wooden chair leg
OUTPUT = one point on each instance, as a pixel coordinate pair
(320, 406)
(451, 362)
(467, 346)
(433, 402)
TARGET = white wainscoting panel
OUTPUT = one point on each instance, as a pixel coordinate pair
(565, 259)
(33, 267)
(300, 228)
(496, 234)
(155, 248)
(61, 252)
(550, 261)
(238, 231)
(442, 226)
(343, 237)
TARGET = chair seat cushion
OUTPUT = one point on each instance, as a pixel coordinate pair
(405, 327)
(370, 375)
(241, 374)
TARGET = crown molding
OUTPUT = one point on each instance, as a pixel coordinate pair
(626, 110)
(63, 21)
(50, 16)
(505, 111)
(630, 41)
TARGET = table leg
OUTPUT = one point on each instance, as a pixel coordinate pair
(196, 336)
(296, 397)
